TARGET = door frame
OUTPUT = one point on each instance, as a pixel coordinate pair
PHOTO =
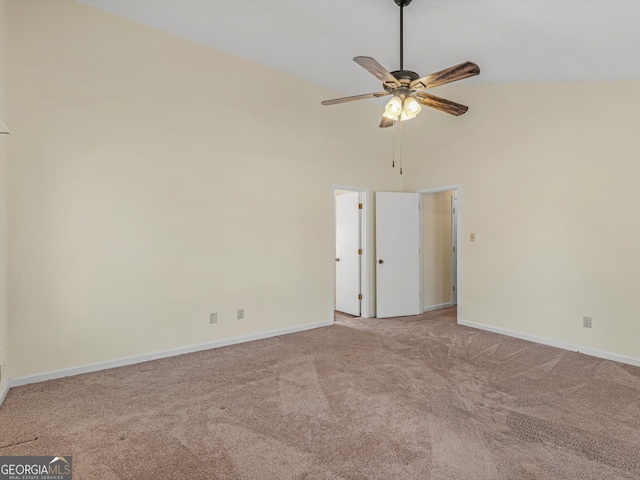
(364, 194)
(454, 243)
(446, 188)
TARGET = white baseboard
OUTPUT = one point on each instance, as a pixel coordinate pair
(96, 367)
(3, 392)
(372, 315)
(554, 343)
(437, 307)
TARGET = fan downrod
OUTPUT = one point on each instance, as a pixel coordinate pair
(402, 4)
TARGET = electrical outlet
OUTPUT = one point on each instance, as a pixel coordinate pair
(586, 322)
(240, 314)
(213, 318)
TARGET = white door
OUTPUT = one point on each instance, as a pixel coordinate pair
(454, 250)
(347, 253)
(398, 267)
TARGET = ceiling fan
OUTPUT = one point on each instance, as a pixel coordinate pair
(408, 87)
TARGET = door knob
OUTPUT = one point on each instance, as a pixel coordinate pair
(337, 259)
(380, 262)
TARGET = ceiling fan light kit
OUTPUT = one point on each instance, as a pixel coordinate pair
(408, 87)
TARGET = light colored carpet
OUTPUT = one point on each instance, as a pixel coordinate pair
(411, 398)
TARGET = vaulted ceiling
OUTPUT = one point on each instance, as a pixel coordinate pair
(511, 40)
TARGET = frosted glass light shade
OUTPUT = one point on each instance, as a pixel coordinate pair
(410, 109)
(393, 109)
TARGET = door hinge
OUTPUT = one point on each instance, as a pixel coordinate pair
(454, 209)
(454, 288)
(359, 251)
(359, 206)
(454, 249)
(359, 296)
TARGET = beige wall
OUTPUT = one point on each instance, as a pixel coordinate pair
(4, 322)
(437, 248)
(548, 176)
(154, 181)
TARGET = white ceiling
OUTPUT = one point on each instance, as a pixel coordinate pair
(511, 40)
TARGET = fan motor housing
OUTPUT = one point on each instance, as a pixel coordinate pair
(402, 3)
(405, 77)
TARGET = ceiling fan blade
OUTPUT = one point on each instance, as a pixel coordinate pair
(446, 106)
(448, 75)
(335, 101)
(386, 122)
(381, 73)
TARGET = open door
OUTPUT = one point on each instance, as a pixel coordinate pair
(347, 253)
(398, 267)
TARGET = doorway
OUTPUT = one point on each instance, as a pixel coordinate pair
(350, 250)
(439, 243)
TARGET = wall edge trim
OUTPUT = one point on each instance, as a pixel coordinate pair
(4, 392)
(122, 362)
(615, 357)
(437, 307)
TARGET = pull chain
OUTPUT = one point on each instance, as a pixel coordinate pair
(397, 145)
(393, 148)
(400, 122)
